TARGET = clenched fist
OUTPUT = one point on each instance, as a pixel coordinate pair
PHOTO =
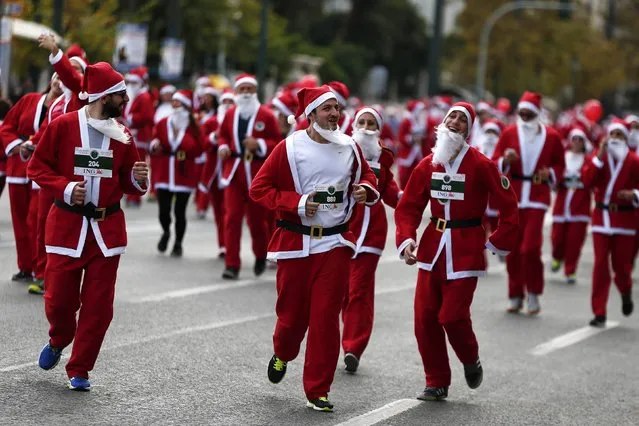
(140, 171)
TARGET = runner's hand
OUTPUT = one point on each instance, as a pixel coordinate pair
(359, 193)
(79, 193)
(626, 194)
(140, 171)
(410, 254)
(311, 206)
(47, 41)
(510, 155)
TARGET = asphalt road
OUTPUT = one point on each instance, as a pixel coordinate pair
(186, 347)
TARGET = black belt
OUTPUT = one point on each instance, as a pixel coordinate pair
(247, 155)
(89, 211)
(535, 179)
(442, 224)
(315, 231)
(612, 207)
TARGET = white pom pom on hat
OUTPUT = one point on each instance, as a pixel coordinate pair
(291, 119)
(83, 96)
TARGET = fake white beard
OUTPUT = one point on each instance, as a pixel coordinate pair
(247, 104)
(633, 140)
(221, 112)
(132, 92)
(528, 128)
(488, 144)
(368, 141)
(335, 136)
(574, 162)
(617, 148)
(110, 128)
(448, 144)
(180, 118)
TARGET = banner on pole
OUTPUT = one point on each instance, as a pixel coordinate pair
(172, 59)
(131, 42)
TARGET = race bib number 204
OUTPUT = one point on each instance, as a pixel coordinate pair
(445, 186)
(93, 162)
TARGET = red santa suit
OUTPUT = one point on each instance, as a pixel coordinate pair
(486, 144)
(450, 254)
(313, 253)
(541, 150)
(613, 222)
(238, 171)
(571, 212)
(84, 243)
(414, 140)
(22, 121)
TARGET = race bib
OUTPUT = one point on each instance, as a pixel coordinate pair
(93, 162)
(329, 197)
(447, 187)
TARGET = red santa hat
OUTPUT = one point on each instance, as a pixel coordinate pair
(138, 75)
(310, 98)
(494, 125)
(443, 102)
(167, 89)
(245, 79)
(100, 80)
(631, 119)
(210, 90)
(372, 111)
(484, 106)
(465, 108)
(286, 103)
(618, 124)
(78, 60)
(341, 92)
(185, 97)
(530, 101)
(77, 51)
(415, 105)
(227, 94)
(203, 81)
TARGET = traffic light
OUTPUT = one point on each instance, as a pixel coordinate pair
(566, 12)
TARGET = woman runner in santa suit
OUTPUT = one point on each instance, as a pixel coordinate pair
(571, 213)
(457, 181)
(177, 144)
(370, 226)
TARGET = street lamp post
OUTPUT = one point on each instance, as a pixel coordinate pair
(261, 64)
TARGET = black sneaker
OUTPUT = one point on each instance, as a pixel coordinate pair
(164, 242)
(626, 304)
(351, 362)
(177, 251)
(36, 288)
(276, 369)
(231, 273)
(23, 276)
(474, 374)
(433, 394)
(598, 321)
(320, 404)
(260, 267)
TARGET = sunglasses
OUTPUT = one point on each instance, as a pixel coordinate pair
(527, 115)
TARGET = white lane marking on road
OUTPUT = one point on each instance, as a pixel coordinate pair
(571, 338)
(382, 413)
(194, 291)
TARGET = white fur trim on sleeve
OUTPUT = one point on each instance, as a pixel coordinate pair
(54, 59)
(261, 150)
(490, 246)
(12, 145)
(301, 206)
(500, 163)
(68, 191)
(376, 192)
(635, 202)
(213, 138)
(597, 162)
(137, 185)
(553, 177)
(402, 246)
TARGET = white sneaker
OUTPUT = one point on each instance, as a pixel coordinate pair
(515, 304)
(533, 304)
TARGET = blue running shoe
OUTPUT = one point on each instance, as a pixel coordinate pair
(79, 384)
(49, 357)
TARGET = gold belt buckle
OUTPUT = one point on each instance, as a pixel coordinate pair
(248, 156)
(441, 224)
(536, 179)
(613, 207)
(181, 155)
(102, 212)
(316, 232)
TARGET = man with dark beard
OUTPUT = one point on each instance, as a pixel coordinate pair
(87, 161)
(458, 180)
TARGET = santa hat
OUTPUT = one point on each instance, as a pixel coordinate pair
(167, 89)
(465, 108)
(443, 102)
(227, 94)
(632, 119)
(494, 125)
(341, 92)
(310, 98)
(483, 106)
(76, 50)
(100, 80)
(580, 132)
(184, 96)
(137, 75)
(372, 111)
(618, 124)
(245, 79)
(286, 102)
(203, 82)
(209, 90)
(415, 105)
(530, 101)
(78, 60)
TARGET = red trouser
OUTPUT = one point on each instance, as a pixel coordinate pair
(135, 198)
(236, 201)
(443, 305)
(32, 223)
(404, 174)
(310, 292)
(357, 313)
(216, 195)
(67, 291)
(524, 265)
(20, 197)
(44, 205)
(617, 249)
(202, 200)
(567, 241)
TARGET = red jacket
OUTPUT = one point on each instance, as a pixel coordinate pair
(573, 200)
(369, 223)
(139, 114)
(546, 151)
(275, 188)
(212, 165)
(175, 166)
(263, 126)
(52, 167)
(606, 179)
(22, 122)
(411, 151)
(464, 246)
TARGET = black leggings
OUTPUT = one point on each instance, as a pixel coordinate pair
(165, 198)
